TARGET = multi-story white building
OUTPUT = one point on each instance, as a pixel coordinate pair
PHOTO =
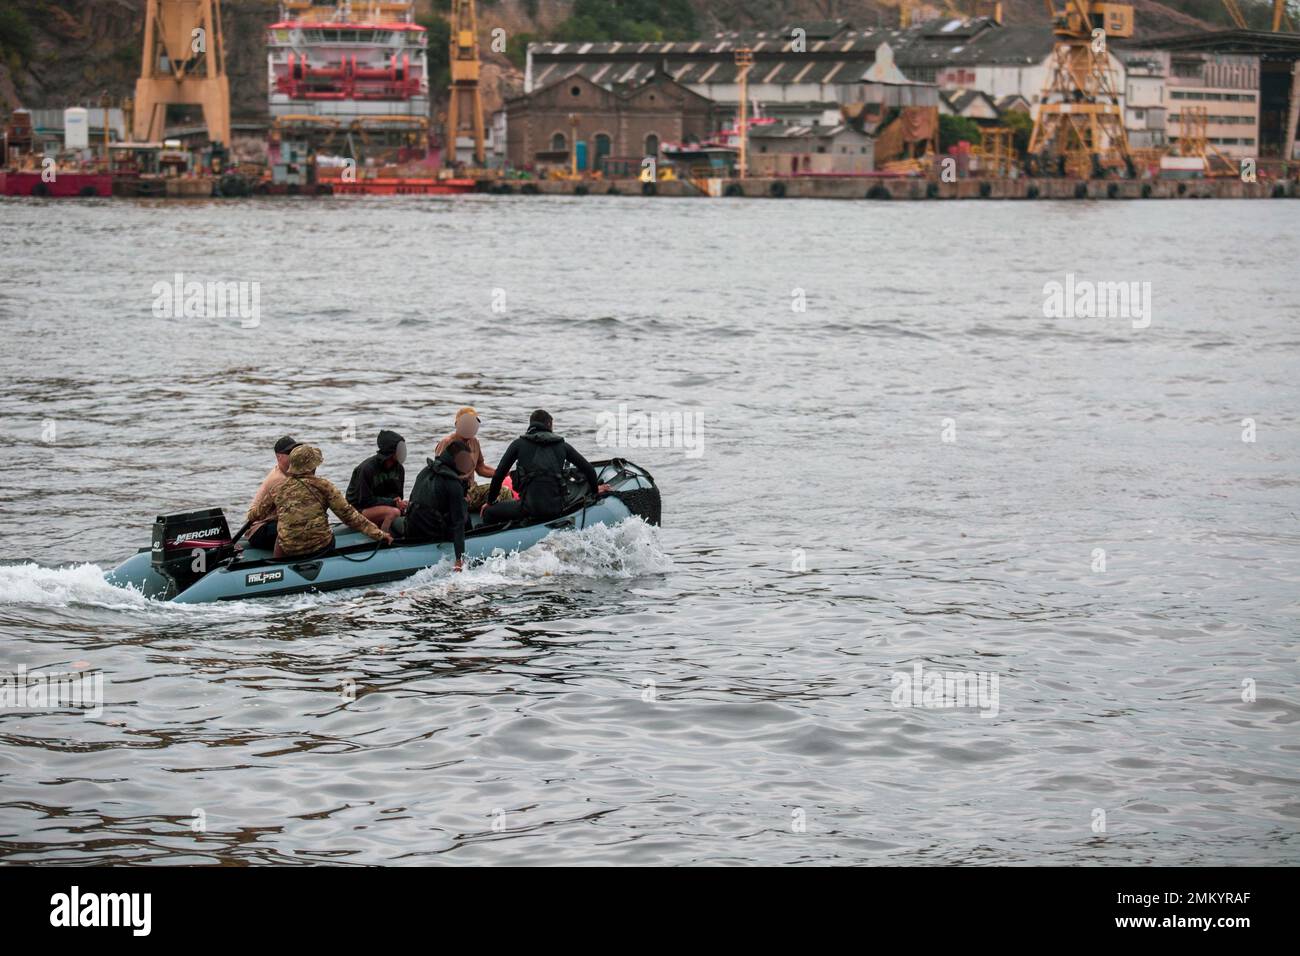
(1146, 73)
(1227, 86)
(982, 54)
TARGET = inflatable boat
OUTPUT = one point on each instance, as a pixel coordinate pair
(193, 558)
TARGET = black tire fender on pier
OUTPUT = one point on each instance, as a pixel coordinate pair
(650, 189)
(776, 190)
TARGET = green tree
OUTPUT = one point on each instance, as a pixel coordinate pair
(16, 33)
(517, 47)
(631, 20)
(439, 31)
(954, 129)
(1021, 126)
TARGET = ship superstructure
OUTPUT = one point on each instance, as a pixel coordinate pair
(349, 78)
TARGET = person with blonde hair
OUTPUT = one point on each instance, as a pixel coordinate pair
(467, 423)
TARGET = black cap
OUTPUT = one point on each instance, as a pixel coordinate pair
(388, 441)
(286, 445)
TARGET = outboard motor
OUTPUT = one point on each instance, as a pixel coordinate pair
(187, 546)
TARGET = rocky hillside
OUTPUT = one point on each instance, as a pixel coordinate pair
(73, 52)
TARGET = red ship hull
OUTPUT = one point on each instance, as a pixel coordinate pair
(403, 186)
(62, 185)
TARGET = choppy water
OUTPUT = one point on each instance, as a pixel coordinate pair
(826, 537)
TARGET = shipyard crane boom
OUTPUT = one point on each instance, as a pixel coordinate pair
(466, 105)
(184, 64)
(1234, 12)
(1280, 16)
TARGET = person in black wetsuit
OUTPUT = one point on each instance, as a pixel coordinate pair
(378, 482)
(437, 510)
(538, 457)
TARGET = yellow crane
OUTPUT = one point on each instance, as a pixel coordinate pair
(466, 106)
(1280, 16)
(184, 64)
(1079, 129)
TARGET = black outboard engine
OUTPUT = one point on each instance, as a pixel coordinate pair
(189, 545)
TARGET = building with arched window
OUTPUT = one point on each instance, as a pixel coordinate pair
(613, 128)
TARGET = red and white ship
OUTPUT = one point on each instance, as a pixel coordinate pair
(351, 65)
(349, 82)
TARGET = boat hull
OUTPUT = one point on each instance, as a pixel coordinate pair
(63, 185)
(358, 562)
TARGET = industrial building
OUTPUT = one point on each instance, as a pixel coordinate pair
(1234, 74)
(575, 120)
(778, 149)
(797, 78)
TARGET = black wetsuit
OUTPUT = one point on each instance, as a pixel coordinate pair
(538, 458)
(376, 482)
(438, 511)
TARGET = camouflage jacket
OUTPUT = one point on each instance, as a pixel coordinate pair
(301, 506)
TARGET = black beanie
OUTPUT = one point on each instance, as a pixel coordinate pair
(388, 441)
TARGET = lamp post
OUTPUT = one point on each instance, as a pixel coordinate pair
(744, 60)
(573, 145)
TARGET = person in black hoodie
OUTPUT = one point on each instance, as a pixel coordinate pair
(437, 510)
(538, 457)
(378, 482)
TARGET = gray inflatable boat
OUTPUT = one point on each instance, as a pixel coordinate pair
(193, 558)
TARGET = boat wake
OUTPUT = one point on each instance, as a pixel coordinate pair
(625, 550)
(628, 549)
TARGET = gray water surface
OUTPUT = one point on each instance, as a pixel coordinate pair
(719, 690)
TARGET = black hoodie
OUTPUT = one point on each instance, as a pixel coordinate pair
(538, 457)
(438, 511)
(374, 481)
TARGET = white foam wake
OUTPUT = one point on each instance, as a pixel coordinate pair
(625, 550)
(77, 584)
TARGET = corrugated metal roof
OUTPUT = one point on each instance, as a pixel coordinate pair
(842, 56)
(989, 44)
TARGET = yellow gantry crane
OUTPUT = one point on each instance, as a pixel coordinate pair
(184, 64)
(466, 106)
(1079, 129)
(1280, 16)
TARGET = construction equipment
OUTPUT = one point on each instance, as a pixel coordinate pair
(1280, 16)
(996, 152)
(466, 105)
(184, 65)
(1079, 130)
(1193, 142)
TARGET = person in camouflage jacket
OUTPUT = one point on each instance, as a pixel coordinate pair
(302, 504)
